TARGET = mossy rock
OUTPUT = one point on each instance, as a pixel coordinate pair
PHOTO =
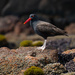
(34, 71)
(2, 37)
(26, 43)
(3, 41)
(37, 43)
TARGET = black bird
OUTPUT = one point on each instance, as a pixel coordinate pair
(43, 28)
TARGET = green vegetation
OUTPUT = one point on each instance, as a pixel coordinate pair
(26, 43)
(3, 41)
(2, 37)
(37, 43)
(34, 71)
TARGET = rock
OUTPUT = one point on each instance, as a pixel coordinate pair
(54, 69)
(18, 28)
(66, 56)
(70, 29)
(59, 44)
(70, 66)
(14, 61)
(70, 73)
(74, 59)
(42, 59)
(69, 51)
(7, 23)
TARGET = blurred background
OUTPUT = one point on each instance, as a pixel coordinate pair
(14, 12)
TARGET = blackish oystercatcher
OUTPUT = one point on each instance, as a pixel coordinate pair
(44, 29)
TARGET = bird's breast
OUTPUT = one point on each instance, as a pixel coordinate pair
(33, 24)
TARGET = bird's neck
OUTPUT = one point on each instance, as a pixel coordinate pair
(32, 22)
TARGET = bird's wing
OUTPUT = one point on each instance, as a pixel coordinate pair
(49, 28)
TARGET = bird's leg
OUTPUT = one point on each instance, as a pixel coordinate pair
(43, 46)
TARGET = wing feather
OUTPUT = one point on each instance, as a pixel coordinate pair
(45, 27)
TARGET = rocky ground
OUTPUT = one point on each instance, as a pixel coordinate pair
(57, 59)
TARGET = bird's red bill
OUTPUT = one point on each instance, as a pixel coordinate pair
(27, 20)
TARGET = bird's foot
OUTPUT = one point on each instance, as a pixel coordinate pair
(41, 48)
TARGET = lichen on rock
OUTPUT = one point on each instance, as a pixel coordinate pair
(54, 68)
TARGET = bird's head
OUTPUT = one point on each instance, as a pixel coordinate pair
(31, 17)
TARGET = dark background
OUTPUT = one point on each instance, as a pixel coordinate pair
(59, 12)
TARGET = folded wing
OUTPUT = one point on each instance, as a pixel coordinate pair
(48, 28)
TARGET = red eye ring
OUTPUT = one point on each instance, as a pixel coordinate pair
(32, 16)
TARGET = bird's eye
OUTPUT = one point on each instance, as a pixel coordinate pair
(32, 16)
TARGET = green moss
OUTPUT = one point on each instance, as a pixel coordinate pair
(2, 37)
(37, 43)
(26, 43)
(34, 71)
(3, 41)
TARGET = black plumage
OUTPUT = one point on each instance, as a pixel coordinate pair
(44, 29)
